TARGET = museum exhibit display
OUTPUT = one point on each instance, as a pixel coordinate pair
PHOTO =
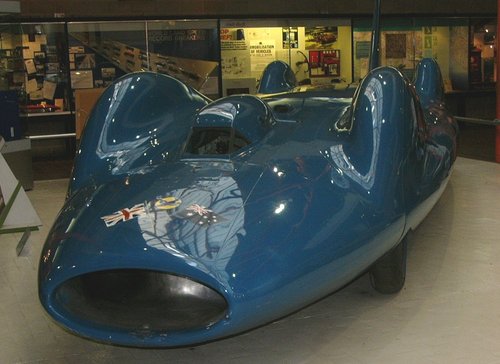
(189, 220)
(49, 65)
(33, 60)
(100, 52)
(317, 50)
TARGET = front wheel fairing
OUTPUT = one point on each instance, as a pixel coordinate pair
(239, 244)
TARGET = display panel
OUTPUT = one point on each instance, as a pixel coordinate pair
(37, 62)
(483, 48)
(404, 42)
(187, 50)
(398, 46)
(446, 40)
(100, 52)
(184, 49)
(33, 63)
(314, 48)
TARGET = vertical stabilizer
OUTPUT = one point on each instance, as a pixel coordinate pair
(277, 77)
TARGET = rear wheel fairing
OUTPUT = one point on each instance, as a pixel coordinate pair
(306, 227)
(434, 144)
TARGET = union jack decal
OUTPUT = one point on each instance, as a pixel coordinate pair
(124, 215)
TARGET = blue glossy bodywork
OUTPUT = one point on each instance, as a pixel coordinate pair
(324, 187)
(277, 77)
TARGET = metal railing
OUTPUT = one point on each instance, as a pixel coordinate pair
(51, 136)
(494, 122)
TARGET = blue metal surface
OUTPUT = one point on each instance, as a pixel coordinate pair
(249, 115)
(326, 185)
(277, 77)
(141, 120)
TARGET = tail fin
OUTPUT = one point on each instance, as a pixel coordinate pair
(277, 77)
(375, 46)
(428, 81)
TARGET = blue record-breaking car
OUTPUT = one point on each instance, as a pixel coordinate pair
(189, 220)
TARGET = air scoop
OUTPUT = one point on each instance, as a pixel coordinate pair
(140, 300)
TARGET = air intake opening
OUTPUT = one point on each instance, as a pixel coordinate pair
(144, 300)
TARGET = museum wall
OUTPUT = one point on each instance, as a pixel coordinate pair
(59, 52)
(231, 8)
(318, 51)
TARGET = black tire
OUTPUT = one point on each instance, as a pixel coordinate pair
(388, 274)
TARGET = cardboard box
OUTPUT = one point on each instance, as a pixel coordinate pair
(85, 100)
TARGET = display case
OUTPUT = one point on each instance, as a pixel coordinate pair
(45, 65)
(188, 50)
(100, 52)
(34, 64)
(482, 53)
(318, 50)
(34, 74)
(11, 57)
(404, 42)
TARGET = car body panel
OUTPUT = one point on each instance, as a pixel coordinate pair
(323, 186)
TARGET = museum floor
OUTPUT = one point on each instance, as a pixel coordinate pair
(448, 312)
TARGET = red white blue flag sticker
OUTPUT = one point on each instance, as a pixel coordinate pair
(160, 204)
(124, 215)
(195, 213)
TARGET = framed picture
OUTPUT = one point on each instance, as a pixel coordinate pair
(82, 79)
(321, 37)
(52, 58)
(324, 63)
(39, 57)
(52, 67)
(84, 60)
(30, 66)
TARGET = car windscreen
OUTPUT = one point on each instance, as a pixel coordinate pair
(214, 141)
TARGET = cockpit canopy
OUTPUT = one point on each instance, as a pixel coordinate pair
(228, 125)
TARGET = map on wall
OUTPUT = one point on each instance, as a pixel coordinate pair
(395, 45)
